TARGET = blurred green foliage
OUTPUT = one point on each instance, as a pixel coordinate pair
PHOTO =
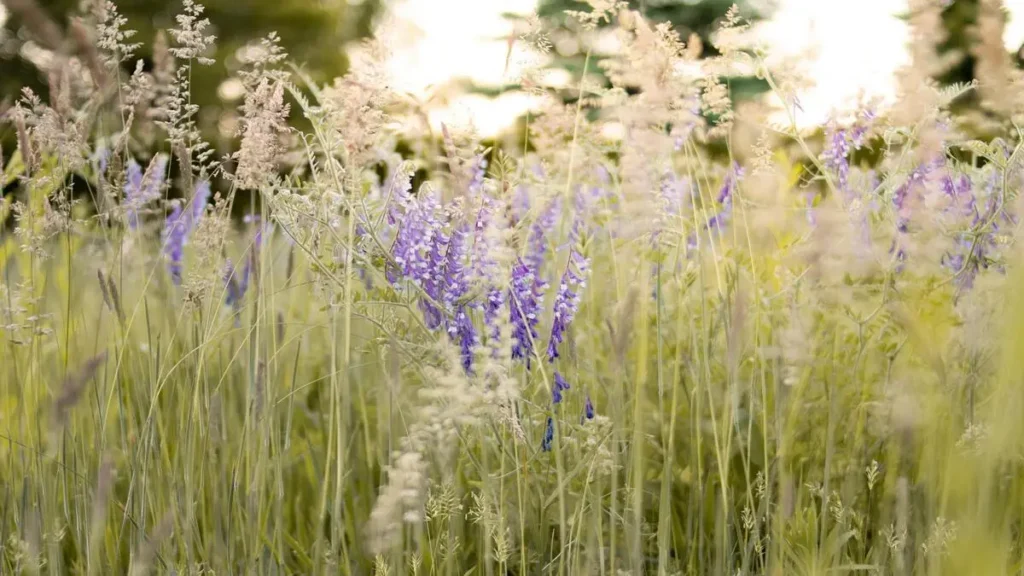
(700, 17)
(314, 33)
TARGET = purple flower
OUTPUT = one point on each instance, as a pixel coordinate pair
(835, 155)
(456, 284)
(567, 300)
(433, 280)
(399, 185)
(520, 202)
(483, 265)
(588, 409)
(414, 241)
(461, 329)
(234, 289)
(560, 385)
(477, 174)
(525, 296)
(536, 244)
(549, 436)
(179, 226)
(102, 158)
(456, 281)
(674, 192)
(732, 179)
(139, 191)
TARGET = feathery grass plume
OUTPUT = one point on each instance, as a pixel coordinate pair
(112, 36)
(918, 101)
(356, 106)
(177, 112)
(211, 234)
(999, 80)
(264, 115)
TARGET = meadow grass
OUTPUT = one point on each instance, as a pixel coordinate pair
(570, 355)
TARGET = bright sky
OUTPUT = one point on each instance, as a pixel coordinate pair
(859, 46)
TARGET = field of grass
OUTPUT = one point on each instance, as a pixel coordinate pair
(570, 355)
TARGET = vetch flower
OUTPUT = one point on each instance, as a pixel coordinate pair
(567, 300)
(525, 302)
(588, 409)
(835, 155)
(560, 385)
(179, 226)
(141, 189)
(549, 436)
(536, 244)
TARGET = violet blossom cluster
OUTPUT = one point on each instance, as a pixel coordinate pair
(179, 226)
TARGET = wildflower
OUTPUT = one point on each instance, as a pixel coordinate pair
(549, 436)
(179, 226)
(141, 189)
(414, 240)
(732, 179)
(588, 409)
(483, 263)
(835, 155)
(234, 287)
(560, 385)
(456, 284)
(433, 280)
(567, 300)
(536, 247)
(524, 294)
(102, 158)
(478, 170)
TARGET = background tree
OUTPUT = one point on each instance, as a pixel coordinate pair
(700, 17)
(314, 34)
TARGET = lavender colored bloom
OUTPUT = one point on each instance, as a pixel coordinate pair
(483, 264)
(567, 300)
(536, 244)
(525, 303)
(461, 329)
(140, 191)
(102, 158)
(835, 156)
(456, 285)
(479, 171)
(520, 202)
(414, 241)
(674, 192)
(399, 185)
(234, 290)
(588, 409)
(179, 226)
(549, 436)
(732, 179)
(456, 281)
(434, 279)
(560, 385)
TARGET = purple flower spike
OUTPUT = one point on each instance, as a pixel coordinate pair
(835, 156)
(138, 192)
(549, 436)
(537, 242)
(525, 296)
(732, 179)
(588, 409)
(567, 300)
(560, 386)
(179, 226)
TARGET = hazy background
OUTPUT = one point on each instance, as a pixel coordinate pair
(451, 54)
